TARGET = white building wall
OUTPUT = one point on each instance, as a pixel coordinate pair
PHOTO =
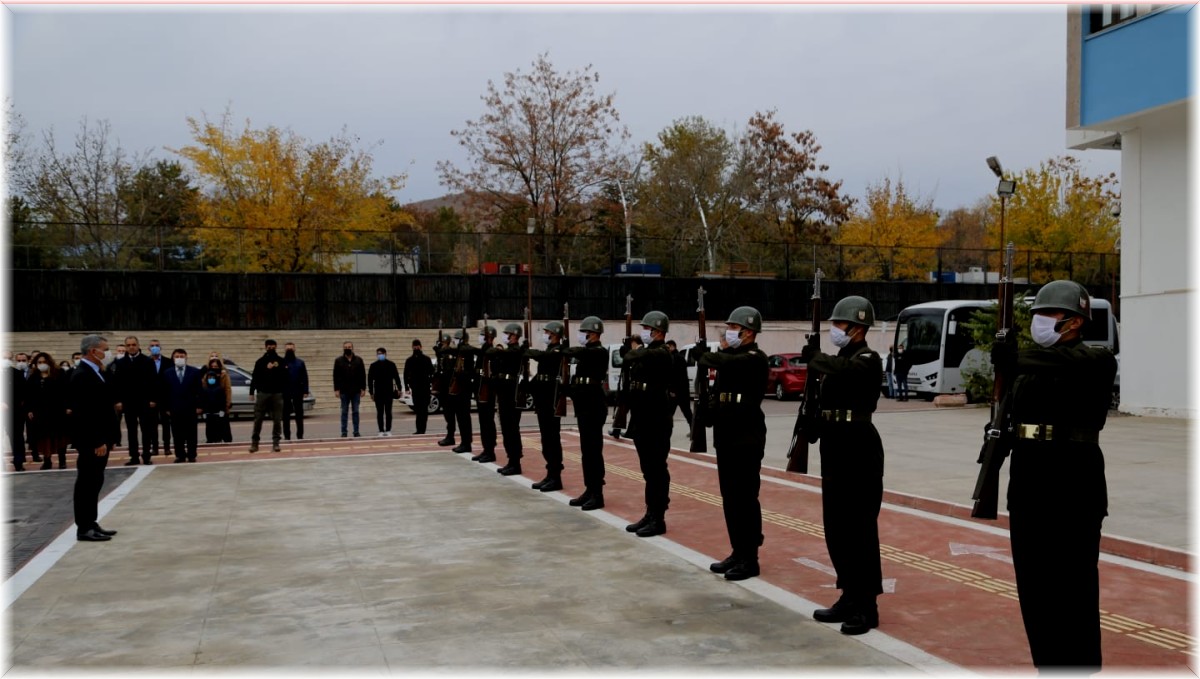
(1156, 297)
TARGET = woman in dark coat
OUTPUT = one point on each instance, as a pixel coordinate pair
(45, 394)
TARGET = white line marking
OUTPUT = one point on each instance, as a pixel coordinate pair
(997, 553)
(889, 584)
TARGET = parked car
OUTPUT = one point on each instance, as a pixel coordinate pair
(690, 357)
(435, 405)
(786, 376)
(242, 402)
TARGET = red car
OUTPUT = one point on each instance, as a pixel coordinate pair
(786, 376)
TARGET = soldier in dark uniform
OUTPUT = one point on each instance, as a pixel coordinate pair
(443, 374)
(507, 363)
(1057, 494)
(487, 407)
(650, 410)
(739, 436)
(549, 366)
(462, 384)
(851, 463)
(587, 393)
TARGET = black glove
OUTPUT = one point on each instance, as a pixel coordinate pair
(700, 348)
(811, 348)
(1004, 355)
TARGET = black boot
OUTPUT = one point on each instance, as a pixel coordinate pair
(743, 569)
(62, 460)
(48, 463)
(864, 618)
(582, 499)
(840, 611)
(510, 469)
(639, 524)
(724, 565)
(448, 441)
(485, 457)
(596, 502)
(552, 484)
(657, 525)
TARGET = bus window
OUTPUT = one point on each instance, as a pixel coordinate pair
(920, 331)
(958, 339)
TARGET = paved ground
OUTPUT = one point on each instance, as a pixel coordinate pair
(395, 554)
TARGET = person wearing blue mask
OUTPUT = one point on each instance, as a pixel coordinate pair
(383, 383)
(215, 400)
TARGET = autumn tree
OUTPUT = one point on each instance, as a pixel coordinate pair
(1057, 209)
(892, 236)
(161, 199)
(275, 201)
(544, 145)
(965, 242)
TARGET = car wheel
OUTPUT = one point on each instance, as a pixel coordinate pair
(1115, 402)
(529, 402)
(435, 406)
(779, 394)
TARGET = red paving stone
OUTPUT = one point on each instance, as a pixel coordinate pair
(961, 608)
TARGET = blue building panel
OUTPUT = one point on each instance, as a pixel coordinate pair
(1135, 66)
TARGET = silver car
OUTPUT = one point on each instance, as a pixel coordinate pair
(242, 402)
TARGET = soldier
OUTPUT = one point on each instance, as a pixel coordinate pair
(1057, 493)
(739, 436)
(549, 364)
(487, 407)
(587, 393)
(443, 374)
(506, 376)
(650, 410)
(851, 463)
(462, 384)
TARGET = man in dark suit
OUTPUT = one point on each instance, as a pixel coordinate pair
(15, 405)
(159, 364)
(181, 402)
(418, 376)
(297, 390)
(92, 414)
(136, 392)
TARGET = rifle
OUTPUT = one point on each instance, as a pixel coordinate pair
(564, 371)
(700, 418)
(523, 384)
(435, 384)
(456, 386)
(485, 371)
(997, 434)
(805, 431)
(621, 418)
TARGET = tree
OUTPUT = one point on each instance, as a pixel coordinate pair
(893, 236)
(1056, 208)
(965, 241)
(274, 201)
(784, 185)
(543, 147)
(161, 199)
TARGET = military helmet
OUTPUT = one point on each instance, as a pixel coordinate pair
(591, 324)
(854, 309)
(747, 317)
(488, 331)
(513, 329)
(445, 337)
(459, 334)
(555, 327)
(657, 320)
(1064, 295)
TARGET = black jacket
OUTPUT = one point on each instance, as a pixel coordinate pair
(92, 402)
(270, 374)
(418, 372)
(136, 381)
(383, 380)
(349, 374)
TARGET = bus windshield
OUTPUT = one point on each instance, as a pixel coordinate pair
(920, 332)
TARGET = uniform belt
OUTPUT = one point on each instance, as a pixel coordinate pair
(729, 397)
(844, 416)
(1049, 432)
(505, 376)
(638, 386)
(584, 380)
(543, 377)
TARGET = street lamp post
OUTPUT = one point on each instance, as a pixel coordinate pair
(1004, 189)
(530, 224)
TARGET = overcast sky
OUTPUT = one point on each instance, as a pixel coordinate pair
(925, 94)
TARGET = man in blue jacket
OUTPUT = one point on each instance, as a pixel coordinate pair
(297, 391)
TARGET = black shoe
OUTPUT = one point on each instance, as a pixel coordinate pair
(448, 441)
(91, 536)
(742, 570)
(486, 457)
(146, 460)
(723, 565)
(101, 531)
(36, 457)
(840, 611)
(47, 464)
(131, 462)
(343, 434)
(18, 467)
(582, 499)
(356, 434)
(274, 449)
(551, 485)
(652, 528)
(536, 485)
(509, 470)
(254, 447)
(639, 524)
(461, 448)
(614, 433)
(191, 459)
(861, 622)
(596, 502)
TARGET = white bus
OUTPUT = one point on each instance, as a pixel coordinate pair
(938, 346)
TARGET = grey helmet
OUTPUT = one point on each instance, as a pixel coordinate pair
(1064, 295)
(854, 309)
(747, 317)
(591, 324)
(459, 334)
(488, 331)
(513, 329)
(656, 320)
(555, 327)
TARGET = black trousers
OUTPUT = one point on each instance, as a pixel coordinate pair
(184, 429)
(421, 408)
(216, 429)
(165, 420)
(461, 407)
(293, 406)
(684, 401)
(144, 420)
(652, 439)
(851, 494)
(510, 429)
(383, 412)
(550, 428)
(88, 482)
(16, 436)
(487, 426)
(448, 413)
(590, 416)
(739, 466)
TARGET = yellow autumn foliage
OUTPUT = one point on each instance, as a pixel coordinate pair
(890, 236)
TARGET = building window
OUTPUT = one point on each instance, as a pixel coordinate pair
(1101, 17)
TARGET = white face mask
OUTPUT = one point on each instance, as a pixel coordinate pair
(76, 362)
(108, 357)
(22, 365)
(838, 336)
(43, 367)
(581, 337)
(1042, 330)
(455, 342)
(546, 340)
(646, 338)
(733, 338)
(482, 340)
(180, 362)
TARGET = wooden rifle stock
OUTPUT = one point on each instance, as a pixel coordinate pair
(805, 431)
(700, 417)
(564, 371)
(621, 418)
(997, 437)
